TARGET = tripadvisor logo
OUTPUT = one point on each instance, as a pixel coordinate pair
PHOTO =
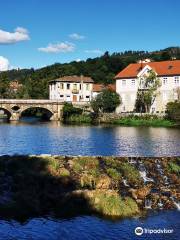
(139, 231)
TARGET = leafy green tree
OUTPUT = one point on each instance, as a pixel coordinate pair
(4, 86)
(107, 101)
(173, 111)
(69, 110)
(147, 92)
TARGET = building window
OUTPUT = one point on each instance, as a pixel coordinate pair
(80, 86)
(68, 85)
(133, 82)
(74, 86)
(164, 80)
(123, 82)
(61, 96)
(87, 87)
(176, 80)
(87, 97)
(61, 86)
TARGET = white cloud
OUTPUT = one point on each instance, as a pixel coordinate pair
(78, 60)
(95, 51)
(76, 36)
(4, 64)
(58, 47)
(19, 34)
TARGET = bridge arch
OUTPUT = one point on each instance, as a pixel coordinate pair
(47, 113)
(6, 111)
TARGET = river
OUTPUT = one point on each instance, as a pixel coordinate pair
(35, 137)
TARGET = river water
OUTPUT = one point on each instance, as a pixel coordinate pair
(53, 138)
(34, 137)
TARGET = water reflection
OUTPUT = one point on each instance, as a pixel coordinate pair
(36, 137)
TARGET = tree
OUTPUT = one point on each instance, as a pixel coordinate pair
(107, 101)
(147, 92)
(4, 86)
(69, 110)
(173, 111)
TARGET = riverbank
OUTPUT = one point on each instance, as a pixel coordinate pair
(69, 186)
(147, 120)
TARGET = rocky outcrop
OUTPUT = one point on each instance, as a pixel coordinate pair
(111, 186)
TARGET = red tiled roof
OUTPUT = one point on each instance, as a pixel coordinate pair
(73, 79)
(100, 87)
(164, 68)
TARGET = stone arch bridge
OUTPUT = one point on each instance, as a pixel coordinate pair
(14, 108)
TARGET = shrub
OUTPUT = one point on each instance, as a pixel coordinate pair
(113, 173)
(173, 111)
(173, 167)
(130, 173)
(63, 172)
(88, 164)
(109, 203)
(69, 110)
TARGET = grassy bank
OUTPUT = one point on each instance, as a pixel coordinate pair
(144, 122)
(69, 186)
(78, 119)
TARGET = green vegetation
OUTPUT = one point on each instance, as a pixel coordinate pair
(102, 69)
(107, 101)
(83, 118)
(109, 203)
(173, 111)
(114, 174)
(75, 115)
(130, 173)
(131, 121)
(147, 92)
(69, 186)
(174, 167)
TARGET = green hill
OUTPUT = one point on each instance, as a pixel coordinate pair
(102, 69)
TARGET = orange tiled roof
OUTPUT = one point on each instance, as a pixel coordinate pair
(100, 87)
(73, 79)
(164, 68)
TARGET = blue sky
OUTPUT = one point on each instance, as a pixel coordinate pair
(37, 33)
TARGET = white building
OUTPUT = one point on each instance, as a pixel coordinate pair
(71, 89)
(128, 82)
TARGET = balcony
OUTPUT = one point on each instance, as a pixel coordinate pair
(75, 91)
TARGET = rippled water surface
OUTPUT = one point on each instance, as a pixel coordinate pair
(54, 138)
(32, 137)
(87, 228)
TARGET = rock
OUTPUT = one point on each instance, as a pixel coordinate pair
(140, 193)
(70, 163)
